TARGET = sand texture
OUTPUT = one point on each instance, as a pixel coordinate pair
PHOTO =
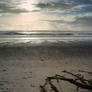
(23, 69)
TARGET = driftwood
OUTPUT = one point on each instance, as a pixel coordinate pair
(77, 80)
(85, 71)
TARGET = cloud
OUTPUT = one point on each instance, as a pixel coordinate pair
(80, 2)
(59, 14)
(54, 5)
(65, 6)
(74, 22)
(77, 2)
(86, 21)
(13, 10)
(7, 8)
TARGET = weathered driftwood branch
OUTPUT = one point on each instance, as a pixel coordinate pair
(78, 81)
(43, 88)
(78, 77)
(73, 81)
(53, 87)
(85, 71)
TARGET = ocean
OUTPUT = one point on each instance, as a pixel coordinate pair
(40, 36)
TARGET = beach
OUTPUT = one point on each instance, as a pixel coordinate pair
(23, 68)
(40, 39)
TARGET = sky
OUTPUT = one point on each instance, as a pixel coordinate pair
(63, 15)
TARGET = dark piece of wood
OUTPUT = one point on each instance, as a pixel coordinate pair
(54, 88)
(42, 89)
(84, 86)
(77, 80)
(85, 71)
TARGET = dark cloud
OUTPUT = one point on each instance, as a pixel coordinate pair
(54, 5)
(12, 10)
(62, 4)
(6, 7)
(79, 1)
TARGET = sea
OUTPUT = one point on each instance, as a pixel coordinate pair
(36, 37)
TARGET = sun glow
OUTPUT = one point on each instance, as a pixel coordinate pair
(28, 5)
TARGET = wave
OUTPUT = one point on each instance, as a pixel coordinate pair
(45, 32)
(20, 38)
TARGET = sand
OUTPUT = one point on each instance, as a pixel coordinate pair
(24, 68)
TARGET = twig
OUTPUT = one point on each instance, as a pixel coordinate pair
(85, 71)
(78, 76)
(53, 87)
(42, 89)
(84, 86)
(80, 82)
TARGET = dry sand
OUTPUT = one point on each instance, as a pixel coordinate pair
(24, 68)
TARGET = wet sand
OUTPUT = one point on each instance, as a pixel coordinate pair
(24, 68)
